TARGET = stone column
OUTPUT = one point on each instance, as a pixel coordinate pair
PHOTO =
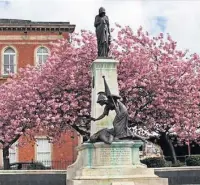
(108, 68)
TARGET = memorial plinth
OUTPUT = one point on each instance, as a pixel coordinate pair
(101, 164)
(102, 161)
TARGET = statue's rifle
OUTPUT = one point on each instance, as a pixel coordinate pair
(108, 93)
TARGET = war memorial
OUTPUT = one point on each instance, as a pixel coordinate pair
(111, 156)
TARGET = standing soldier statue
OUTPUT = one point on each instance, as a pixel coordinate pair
(102, 32)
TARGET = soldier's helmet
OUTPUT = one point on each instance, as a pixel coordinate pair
(102, 10)
(102, 97)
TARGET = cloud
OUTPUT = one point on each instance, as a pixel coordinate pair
(179, 18)
(79, 12)
(183, 21)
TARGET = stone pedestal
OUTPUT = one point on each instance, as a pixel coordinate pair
(115, 164)
(107, 68)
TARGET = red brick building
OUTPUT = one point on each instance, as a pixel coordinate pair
(24, 42)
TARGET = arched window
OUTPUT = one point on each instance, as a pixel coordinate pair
(13, 152)
(42, 55)
(9, 61)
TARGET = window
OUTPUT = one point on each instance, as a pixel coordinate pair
(13, 153)
(44, 151)
(42, 55)
(9, 61)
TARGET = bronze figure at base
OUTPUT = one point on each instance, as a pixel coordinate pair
(120, 130)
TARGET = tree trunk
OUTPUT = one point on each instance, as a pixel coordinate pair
(6, 162)
(171, 148)
(166, 145)
(189, 149)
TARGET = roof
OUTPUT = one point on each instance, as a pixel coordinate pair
(28, 25)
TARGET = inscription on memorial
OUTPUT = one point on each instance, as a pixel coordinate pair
(114, 156)
(106, 66)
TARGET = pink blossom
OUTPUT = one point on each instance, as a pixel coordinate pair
(158, 84)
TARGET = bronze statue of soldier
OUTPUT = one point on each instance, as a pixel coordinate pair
(120, 130)
(102, 32)
(120, 124)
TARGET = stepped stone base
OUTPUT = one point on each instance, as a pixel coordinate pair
(135, 181)
(115, 164)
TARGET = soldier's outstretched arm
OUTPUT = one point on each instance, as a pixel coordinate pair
(105, 113)
(99, 118)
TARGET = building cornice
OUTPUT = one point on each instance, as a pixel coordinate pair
(30, 26)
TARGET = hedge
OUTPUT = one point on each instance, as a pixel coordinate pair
(154, 162)
(36, 166)
(193, 160)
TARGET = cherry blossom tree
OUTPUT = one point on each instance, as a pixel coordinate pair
(158, 83)
(64, 85)
(51, 98)
(17, 109)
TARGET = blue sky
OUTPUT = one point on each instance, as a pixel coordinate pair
(180, 18)
(4, 3)
(161, 23)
